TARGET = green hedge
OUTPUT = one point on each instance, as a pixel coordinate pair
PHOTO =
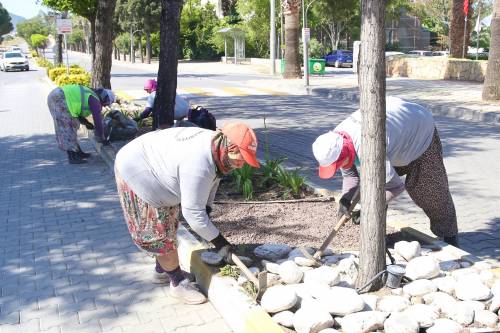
(83, 79)
(57, 71)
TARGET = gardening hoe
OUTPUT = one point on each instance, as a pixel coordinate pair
(343, 219)
(260, 282)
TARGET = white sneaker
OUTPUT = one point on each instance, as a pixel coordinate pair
(187, 292)
(160, 278)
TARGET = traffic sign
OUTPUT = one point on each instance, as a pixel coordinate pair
(306, 34)
(64, 26)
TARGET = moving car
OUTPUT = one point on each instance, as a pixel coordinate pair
(339, 58)
(14, 60)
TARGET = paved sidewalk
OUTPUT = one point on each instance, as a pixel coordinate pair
(67, 263)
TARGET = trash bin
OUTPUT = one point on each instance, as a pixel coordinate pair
(282, 65)
(317, 66)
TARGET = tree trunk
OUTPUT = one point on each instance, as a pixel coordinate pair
(163, 108)
(148, 46)
(59, 50)
(101, 65)
(457, 29)
(292, 61)
(372, 105)
(140, 49)
(92, 37)
(491, 88)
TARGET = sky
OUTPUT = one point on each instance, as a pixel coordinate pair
(24, 8)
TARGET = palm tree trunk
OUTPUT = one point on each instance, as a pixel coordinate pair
(292, 62)
(491, 88)
(457, 29)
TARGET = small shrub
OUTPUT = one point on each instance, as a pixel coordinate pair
(243, 180)
(82, 79)
(57, 71)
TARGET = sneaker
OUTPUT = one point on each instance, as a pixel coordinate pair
(160, 278)
(187, 292)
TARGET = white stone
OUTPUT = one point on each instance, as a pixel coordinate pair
(392, 304)
(485, 317)
(316, 289)
(348, 270)
(278, 298)
(211, 258)
(462, 313)
(290, 272)
(419, 287)
(401, 323)
(475, 305)
(329, 330)
(495, 288)
(424, 314)
(242, 279)
(272, 252)
(446, 284)
(407, 250)
(370, 302)
(449, 265)
(271, 267)
(487, 277)
(297, 252)
(444, 325)
(301, 290)
(482, 265)
(444, 302)
(422, 268)
(334, 259)
(301, 261)
(322, 275)
(470, 288)
(397, 291)
(284, 318)
(463, 271)
(363, 322)
(312, 319)
(465, 264)
(272, 279)
(342, 301)
(495, 304)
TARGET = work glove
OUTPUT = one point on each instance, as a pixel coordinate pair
(103, 142)
(224, 248)
(208, 209)
(344, 205)
(86, 123)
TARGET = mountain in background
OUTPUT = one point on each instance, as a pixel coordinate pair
(15, 19)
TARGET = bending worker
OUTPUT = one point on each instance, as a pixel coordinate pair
(413, 149)
(161, 171)
(70, 105)
(181, 108)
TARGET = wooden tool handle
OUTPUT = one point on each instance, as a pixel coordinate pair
(244, 269)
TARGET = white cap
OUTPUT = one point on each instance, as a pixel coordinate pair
(326, 149)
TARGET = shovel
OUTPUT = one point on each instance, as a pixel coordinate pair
(343, 219)
(260, 282)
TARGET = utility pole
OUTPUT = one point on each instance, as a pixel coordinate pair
(304, 45)
(272, 38)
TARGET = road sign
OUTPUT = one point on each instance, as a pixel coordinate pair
(64, 26)
(306, 34)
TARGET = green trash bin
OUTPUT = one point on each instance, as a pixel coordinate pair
(282, 65)
(317, 66)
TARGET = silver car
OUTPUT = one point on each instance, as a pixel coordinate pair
(14, 60)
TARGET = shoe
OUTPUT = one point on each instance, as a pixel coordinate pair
(452, 240)
(82, 154)
(160, 278)
(187, 292)
(73, 158)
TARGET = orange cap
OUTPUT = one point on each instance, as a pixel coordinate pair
(244, 137)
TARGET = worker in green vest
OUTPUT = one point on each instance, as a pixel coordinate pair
(70, 105)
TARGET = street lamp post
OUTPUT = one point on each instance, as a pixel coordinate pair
(132, 53)
(305, 41)
(272, 38)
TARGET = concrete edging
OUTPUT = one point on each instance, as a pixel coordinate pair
(492, 118)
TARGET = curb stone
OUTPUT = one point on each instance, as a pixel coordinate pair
(240, 312)
(492, 118)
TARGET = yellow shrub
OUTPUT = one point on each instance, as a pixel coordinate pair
(33, 54)
(57, 71)
(43, 62)
(83, 79)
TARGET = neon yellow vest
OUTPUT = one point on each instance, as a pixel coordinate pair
(77, 99)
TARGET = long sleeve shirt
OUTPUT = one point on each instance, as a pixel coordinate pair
(174, 166)
(96, 107)
(409, 132)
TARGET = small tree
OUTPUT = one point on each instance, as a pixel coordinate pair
(292, 63)
(5, 21)
(39, 42)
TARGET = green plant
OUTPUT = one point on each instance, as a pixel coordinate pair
(242, 178)
(269, 170)
(295, 182)
(230, 271)
(83, 79)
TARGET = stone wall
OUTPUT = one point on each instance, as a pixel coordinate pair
(436, 68)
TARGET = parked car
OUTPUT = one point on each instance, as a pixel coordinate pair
(14, 60)
(389, 54)
(339, 58)
(15, 49)
(440, 53)
(421, 53)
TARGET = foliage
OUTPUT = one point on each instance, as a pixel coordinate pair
(5, 21)
(392, 46)
(316, 49)
(198, 26)
(82, 79)
(39, 41)
(255, 15)
(229, 271)
(243, 180)
(484, 38)
(35, 25)
(122, 42)
(85, 8)
(54, 73)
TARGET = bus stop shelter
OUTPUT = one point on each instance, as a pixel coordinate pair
(238, 37)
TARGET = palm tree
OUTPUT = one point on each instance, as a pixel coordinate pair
(291, 11)
(457, 28)
(491, 88)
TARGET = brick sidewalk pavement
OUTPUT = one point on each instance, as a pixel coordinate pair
(67, 261)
